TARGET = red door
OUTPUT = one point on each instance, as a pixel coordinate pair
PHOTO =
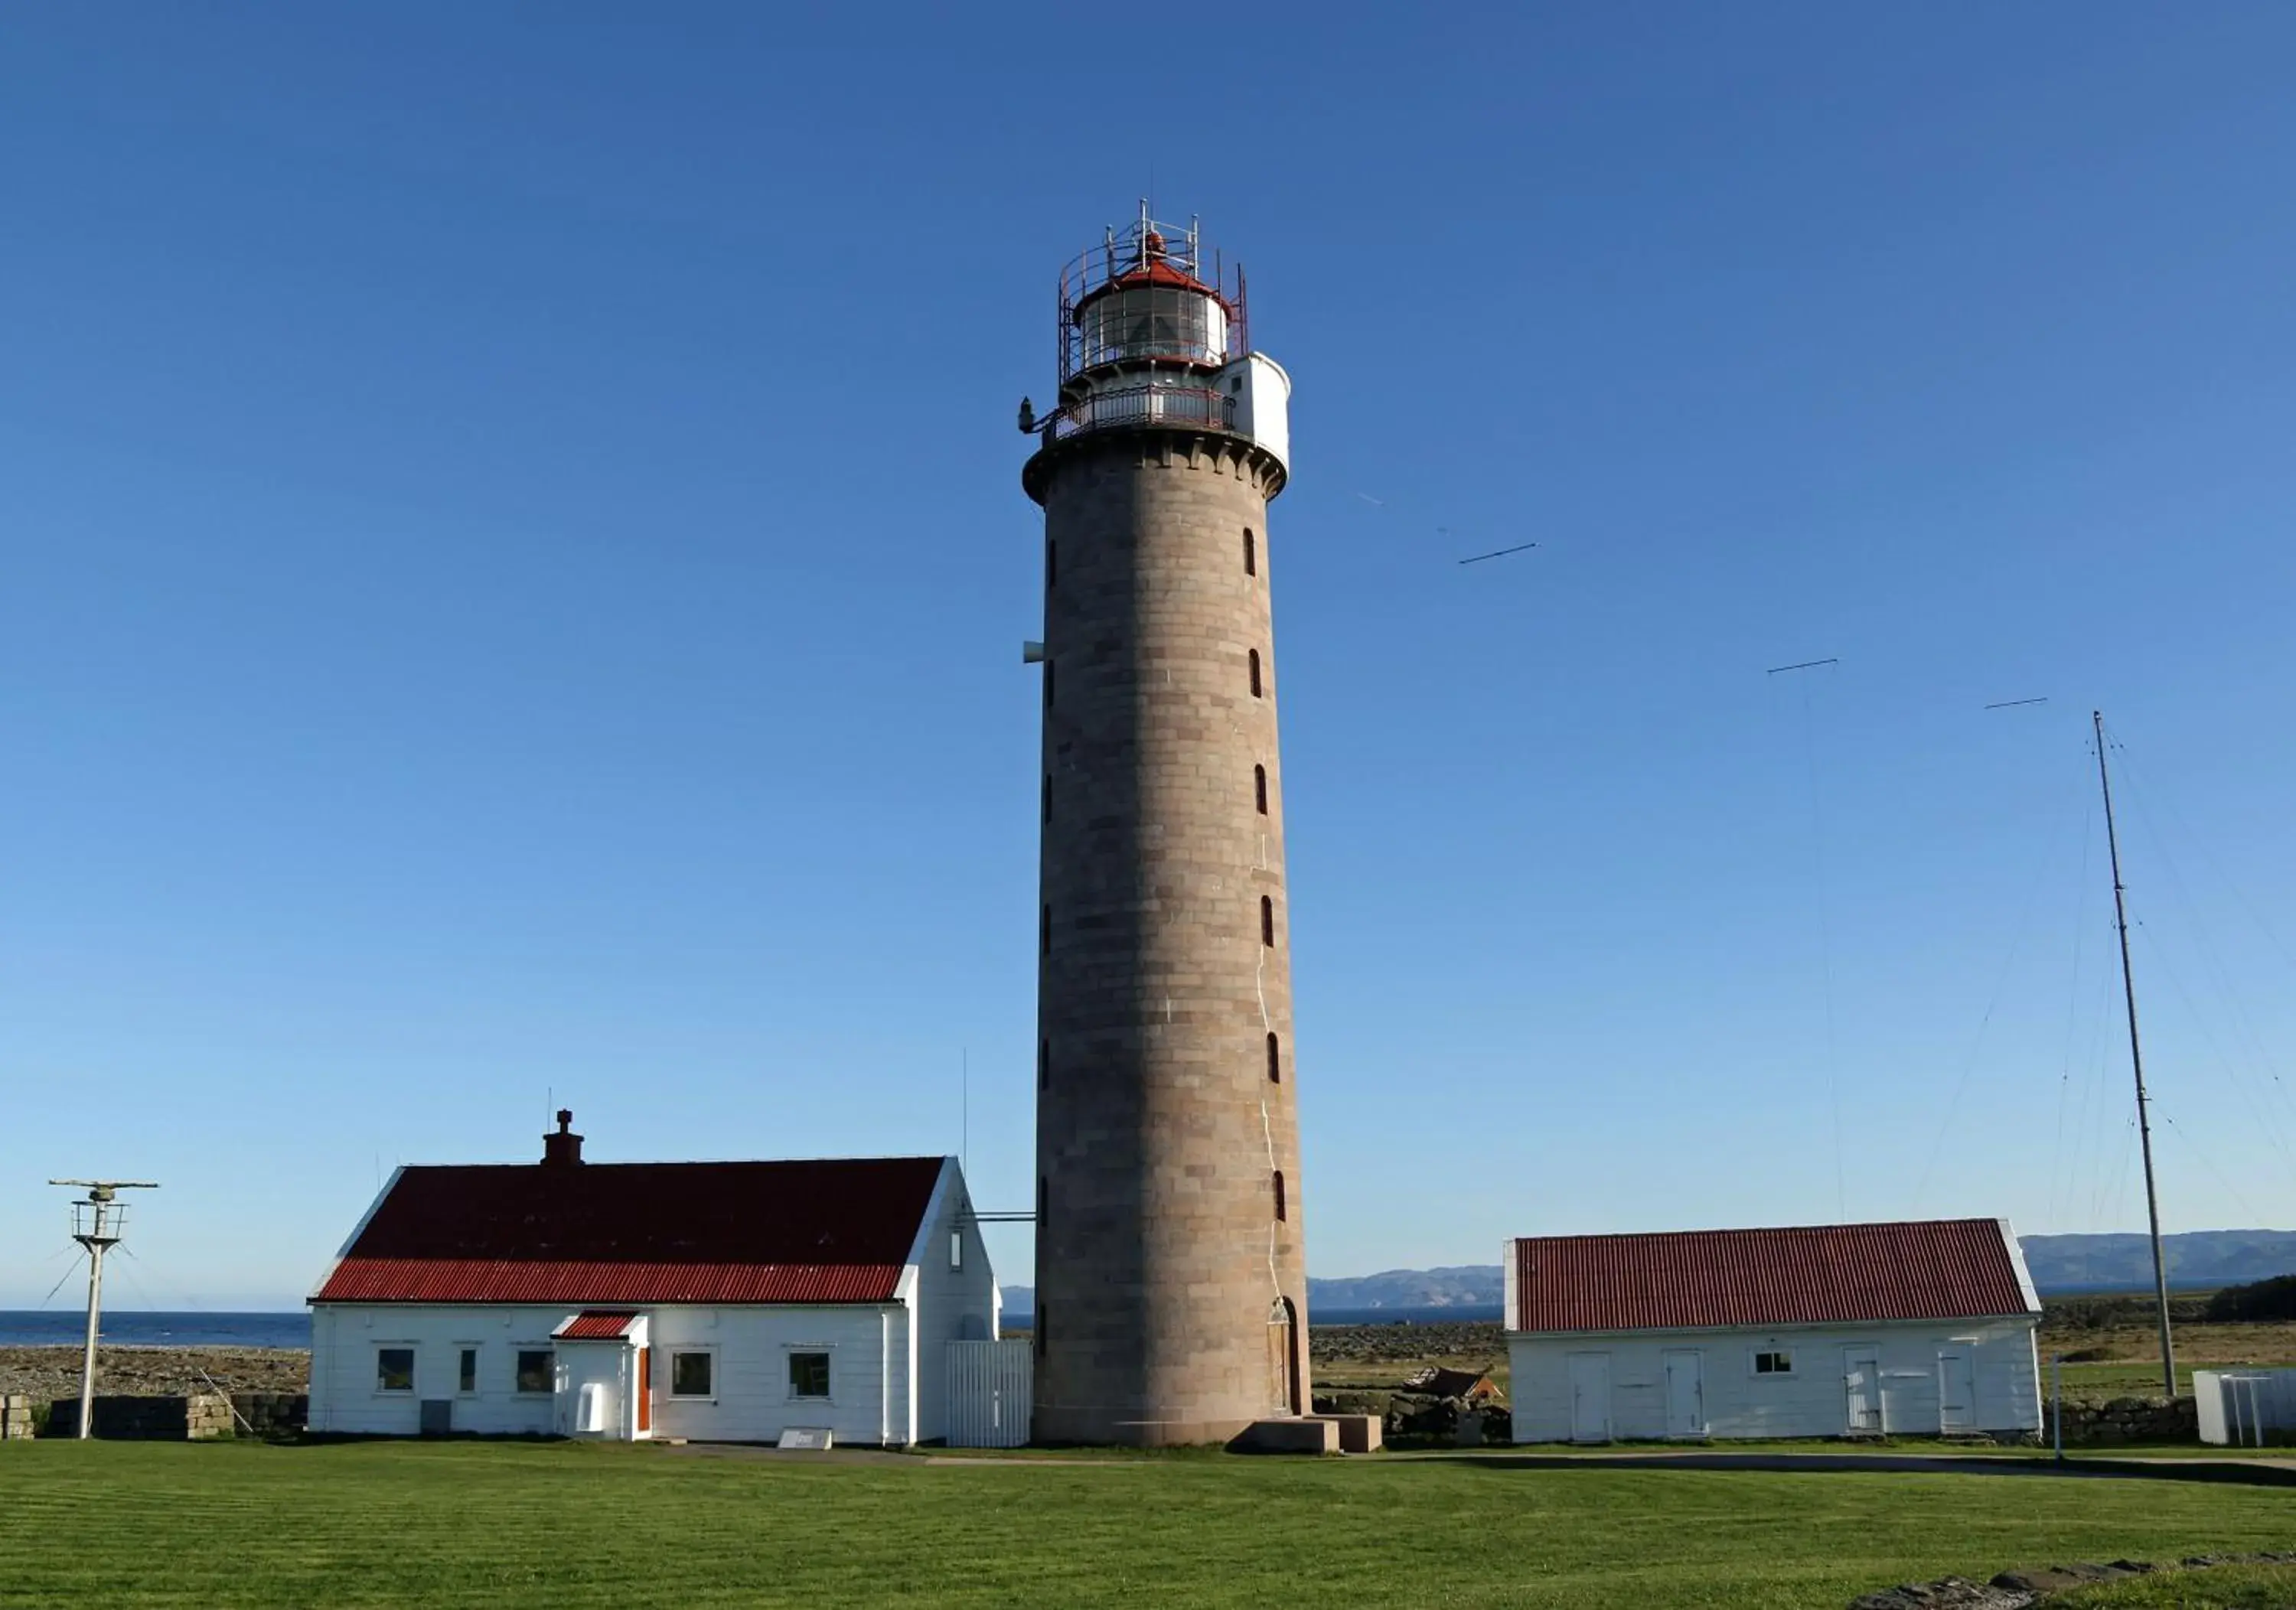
(645, 1389)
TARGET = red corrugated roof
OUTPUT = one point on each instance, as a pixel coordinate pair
(1953, 1269)
(837, 1230)
(595, 1325)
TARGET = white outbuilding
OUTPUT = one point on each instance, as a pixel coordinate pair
(1919, 1328)
(733, 1302)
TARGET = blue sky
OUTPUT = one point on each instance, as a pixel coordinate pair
(514, 566)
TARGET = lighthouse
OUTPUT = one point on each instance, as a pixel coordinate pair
(1171, 1292)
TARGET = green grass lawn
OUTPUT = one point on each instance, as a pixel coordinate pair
(1924, 1447)
(2127, 1379)
(128, 1524)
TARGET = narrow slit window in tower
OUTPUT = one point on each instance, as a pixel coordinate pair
(1275, 1061)
(1045, 930)
(1048, 797)
(1052, 564)
(1258, 791)
(1267, 921)
(1045, 1064)
(1251, 554)
(1255, 675)
(1048, 680)
(1279, 1196)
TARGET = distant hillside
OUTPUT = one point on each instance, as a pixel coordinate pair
(2124, 1263)
(2059, 1263)
(1466, 1286)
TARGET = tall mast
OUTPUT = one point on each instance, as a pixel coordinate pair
(98, 1222)
(2137, 1063)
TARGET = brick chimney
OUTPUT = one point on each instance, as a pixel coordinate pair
(564, 1149)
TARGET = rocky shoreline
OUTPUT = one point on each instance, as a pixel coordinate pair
(49, 1374)
(46, 1373)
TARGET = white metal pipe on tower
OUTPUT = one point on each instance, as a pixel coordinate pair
(87, 1359)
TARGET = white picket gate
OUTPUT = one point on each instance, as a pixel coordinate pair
(990, 1384)
(2245, 1406)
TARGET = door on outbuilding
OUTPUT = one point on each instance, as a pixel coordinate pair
(1590, 1397)
(1861, 1380)
(1685, 1392)
(1957, 1390)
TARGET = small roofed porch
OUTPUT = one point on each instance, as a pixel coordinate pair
(603, 1386)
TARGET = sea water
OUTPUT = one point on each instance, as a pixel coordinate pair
(134, 1328)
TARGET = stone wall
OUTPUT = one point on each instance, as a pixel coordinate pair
(2125, 1420)
(200, 1416)
(272, 1413)
(17, 1416)
(138, 1418)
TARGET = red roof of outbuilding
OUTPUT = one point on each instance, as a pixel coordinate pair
(836, 1231)
(1951, 1269)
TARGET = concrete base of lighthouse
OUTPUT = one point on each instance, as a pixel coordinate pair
(1087, 1429)
(1310, 1433)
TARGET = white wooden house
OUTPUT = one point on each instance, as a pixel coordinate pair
(712, 1301)
(1827, 1331)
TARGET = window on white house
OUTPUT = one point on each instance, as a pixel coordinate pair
(535, 1373)
(466, 1374)
(692, 1375)
(1774, 1363)
(809, 1375)
(956, 1251)
(394, 1369)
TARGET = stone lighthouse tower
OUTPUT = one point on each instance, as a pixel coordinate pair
(1172, 1294)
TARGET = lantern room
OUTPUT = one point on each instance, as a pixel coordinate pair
(1146, 304)
(1153, 332)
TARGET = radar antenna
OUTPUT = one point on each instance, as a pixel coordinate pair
(99, 1221)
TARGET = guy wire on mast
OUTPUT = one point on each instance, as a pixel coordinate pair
(1825, 927)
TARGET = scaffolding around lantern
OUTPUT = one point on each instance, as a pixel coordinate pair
(1145, 297)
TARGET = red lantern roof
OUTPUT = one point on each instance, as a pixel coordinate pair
(1153, 267)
